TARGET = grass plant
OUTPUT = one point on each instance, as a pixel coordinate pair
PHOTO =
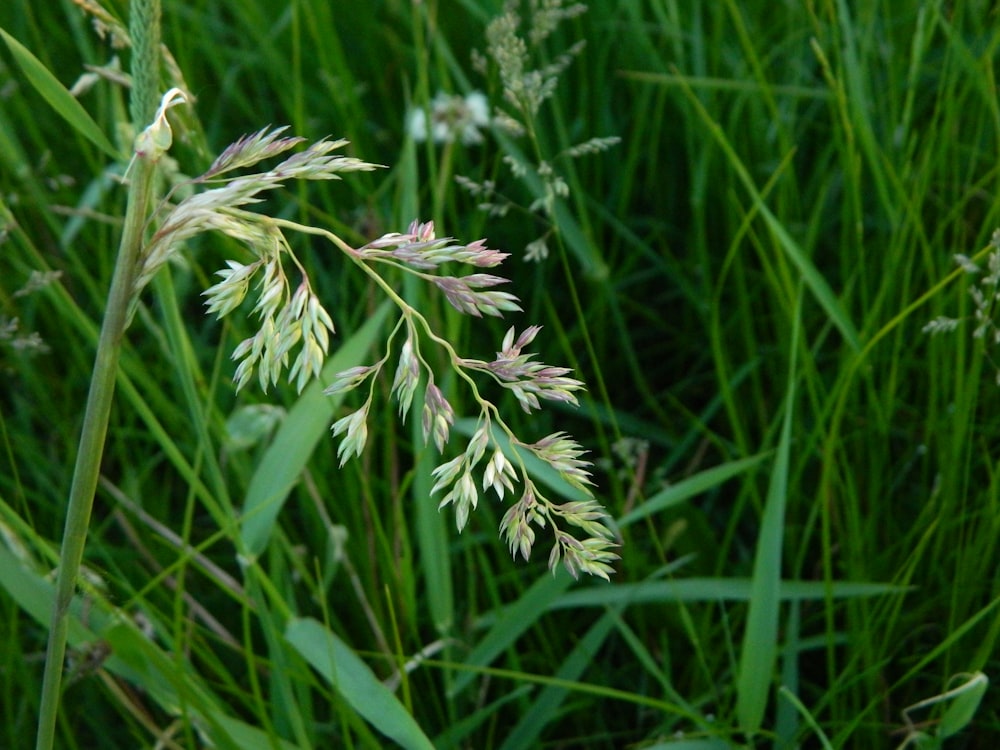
(737, 223)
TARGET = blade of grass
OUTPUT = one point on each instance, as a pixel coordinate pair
(58, 97)
(454, 735)
(688, 488)
(789, 696)
(355, 681)
(813, 279)
(760, 641)
(545, 707)
(433, 535)
(511, 624)
(714, 590)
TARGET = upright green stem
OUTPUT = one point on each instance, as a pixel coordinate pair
(145, 36)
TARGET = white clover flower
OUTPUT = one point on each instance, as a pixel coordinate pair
(451, 118)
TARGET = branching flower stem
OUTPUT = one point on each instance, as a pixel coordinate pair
(490, 411)
(404, 307)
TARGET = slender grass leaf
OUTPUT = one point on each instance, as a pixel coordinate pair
(58, 97)
(247, 737)
(793, 699)
(512, 623)
(35, 594)
(813, 279)
(706, 83)
(698, 744)
(967, 698)
(455, 734)
(355, 681)
(433, 537)
(786, 723)
(715, 590)
(699, 483)
(307, 421)
(545, 707)
(760, 641)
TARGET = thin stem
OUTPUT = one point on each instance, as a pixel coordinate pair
(91, 447)
(145, 15)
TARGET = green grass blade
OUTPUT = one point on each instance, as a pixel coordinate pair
(34, 595)
(699, 744)
(134, 657)
(355, 681)
(545, 708)
(58, 97)
(793, 699)
(967, 698)
(714, 590)
(760, 642)
(512, 622)
(699, 483)
(454, 735)
(813, 279)
(433, 535)
(306, 423)
(247, 737)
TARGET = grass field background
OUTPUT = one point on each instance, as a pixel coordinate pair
(804, 481)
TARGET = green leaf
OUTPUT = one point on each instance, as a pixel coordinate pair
(355, 681)
(813, 279)
(714, 590)
(966, 702)
(511, 624)
(699, 483)
(760, 641)
(35, 594)
(433, 537)
(547, 706)
(63, 102)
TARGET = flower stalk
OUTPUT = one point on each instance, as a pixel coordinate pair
(102, 385)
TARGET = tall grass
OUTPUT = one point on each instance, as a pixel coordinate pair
(804, 482)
